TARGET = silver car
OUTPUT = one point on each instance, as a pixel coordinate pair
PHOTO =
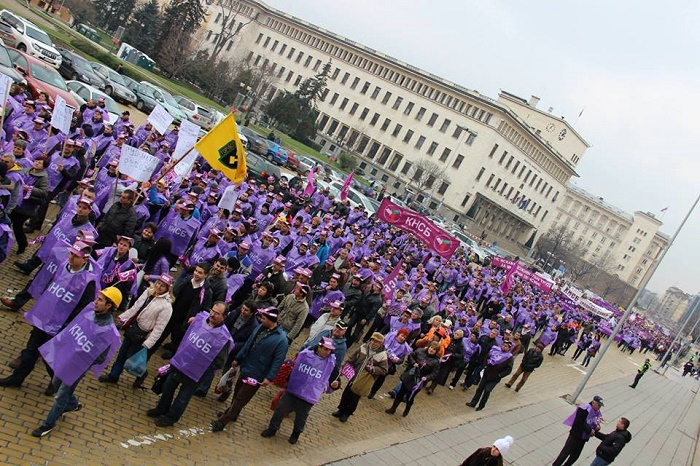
(115, 86)
(197, 114)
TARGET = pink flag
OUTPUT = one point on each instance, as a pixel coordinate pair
(127, 276)
(310, 188)
(346, 186)
(508, 282)
(390, 282)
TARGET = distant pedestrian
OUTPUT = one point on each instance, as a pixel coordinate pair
(531, 361)
(584, 422)
(612, 443)
(640, 372)
(490, 456)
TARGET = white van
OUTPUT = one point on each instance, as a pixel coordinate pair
(31, 39)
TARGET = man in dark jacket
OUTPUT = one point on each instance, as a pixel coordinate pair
(119, 220)
(612, 443)
(216, 281)
(493, 373)
(365, 311)
(260, 360)
(532, 360)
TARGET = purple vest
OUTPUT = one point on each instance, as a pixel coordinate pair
(260, 258)
(324, 300)
(309, 377)
(61, 234)
(104, 186)
(202, 253)
(76, 348)
(111, 268)
(56, 176)
(59, 299)
(200, 347)
(178, 230)
(7, 229)
(233, 283)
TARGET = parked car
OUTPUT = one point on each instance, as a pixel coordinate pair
(6, 66)
(31, 39)
(84, 92)
(355, 197)
(197, 114)
(257, 143)
(164, 98)
(41, 77)
(145, 97)
(305, 164)
(75, 67)
(260, 167)
(243, 139)
(115, 84)
(7, 34)
(277, 153)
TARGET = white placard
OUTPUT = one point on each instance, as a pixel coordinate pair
(5, 83)
(228, 199)
(183, 168)
(186, 138)
(62, 115)
(137, 164)
(160, 119)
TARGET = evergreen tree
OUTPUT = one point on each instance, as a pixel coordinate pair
(180, 19)
(114, 13)
(142, 32)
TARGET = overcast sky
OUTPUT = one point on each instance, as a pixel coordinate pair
(631, 66)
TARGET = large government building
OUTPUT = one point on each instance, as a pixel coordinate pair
(497, 166)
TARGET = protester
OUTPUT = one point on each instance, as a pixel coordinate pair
(422, 367)
(531, 361)
(584, 423)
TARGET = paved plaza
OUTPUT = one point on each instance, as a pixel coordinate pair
(113, 428)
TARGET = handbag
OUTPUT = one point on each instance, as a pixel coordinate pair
(158, 383)
(283, 374)
(362, 384)
(131, 328)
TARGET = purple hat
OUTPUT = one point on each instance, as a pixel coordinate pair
(87, 237)
(167, 279)
(188, 206)
(87, 182)
(244, 245)
(39, 120)
(269, 312)
(85, 200)
(79, 249)
(336, 276)
(337, 304)
(113, 163)
(70, 142)
(330, 261)
(303, 288)
(280, 260)
(326, 343)
(306, 272)
(127, 239)
(215, 232)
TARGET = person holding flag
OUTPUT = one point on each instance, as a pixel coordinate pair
(88, 342)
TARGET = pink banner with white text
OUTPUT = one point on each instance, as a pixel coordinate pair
(522, 272)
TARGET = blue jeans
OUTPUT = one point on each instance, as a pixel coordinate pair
(173, 409)
(598, 461)
(63, 401)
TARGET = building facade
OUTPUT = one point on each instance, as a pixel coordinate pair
(623, 244)
(674, 303)
(498, 166)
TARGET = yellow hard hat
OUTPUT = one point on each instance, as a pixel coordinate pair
(113, 294)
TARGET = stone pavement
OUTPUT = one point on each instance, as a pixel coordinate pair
(664, 413)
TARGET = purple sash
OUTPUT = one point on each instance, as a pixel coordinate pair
(76, 348)
(59, 299)
(200, 347)
(592, 419)
(309, 377)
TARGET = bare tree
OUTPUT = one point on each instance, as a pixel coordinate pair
(555, 241)
(425, 173)
(578, 268)
(230, 11)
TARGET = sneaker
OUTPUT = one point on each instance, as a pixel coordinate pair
(294, 438)
(267, 433)
(77, 408)
(216, 426)
(42, 430)
(452, 387)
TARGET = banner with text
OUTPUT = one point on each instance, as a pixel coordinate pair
(420, 226)
(160, 119)
(62, 115)
(522, 272)
(188, 134)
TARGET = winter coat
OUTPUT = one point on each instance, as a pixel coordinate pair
(612, 444)
(154, 317)
(532, 360)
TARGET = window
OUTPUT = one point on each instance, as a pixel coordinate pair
(465, 200)
(503, 157)
(283, 48)
(445, 125)
(443, 187)
(218, 17)
(386, 97)
(420, 142)
(395, 162)
(298, 80)
(397, 130)
(493, 151)
(397, 103)
(363, 144)
(374, 120)
(408, 109)
(365, 88)
(458, 132)
(458, 161)
(317, 65)
(445, 153)
(408, 136)
(308, 61)
(274, 45)
(386, 124)
(364, 113)
(344, 103)
(353, 109)
(291, 53)
(260, 36)
(481, 173)
(335, 74)
(334, 98)
(510, 160)
(322, 122)
(488, 183)
(375, 92)
(346, 76)
(267, 42)
(433, 119)
(299, 57)
(373, 150)
(418, 174)
(433, 147)
(420, 114)
(406, 168)
(385, 156)
(355, 82)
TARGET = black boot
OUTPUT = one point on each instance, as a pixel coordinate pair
(294, 438)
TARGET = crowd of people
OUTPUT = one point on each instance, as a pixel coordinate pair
(233, 291)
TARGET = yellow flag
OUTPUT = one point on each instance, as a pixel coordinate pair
(222, 148)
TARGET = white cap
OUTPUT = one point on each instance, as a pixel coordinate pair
(503, 444)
